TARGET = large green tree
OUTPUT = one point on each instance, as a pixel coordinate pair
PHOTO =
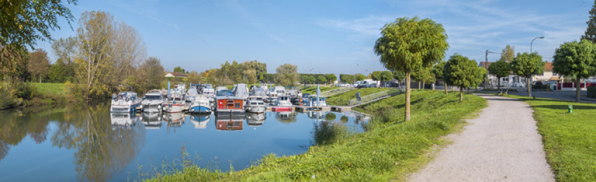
(386, 76)
(39, 64)
(526, 65)
(409, 44)
(287, 74)
(360, 77)
(438, 71)
(376, 75)
(575, 60)
(321, 79)
(500, 69)
(462, 72)
(331, 78)
(24, 22)
(590, 33)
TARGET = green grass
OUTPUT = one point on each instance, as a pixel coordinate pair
(344, 98)
(313, 89)
(389, 149)
(50, 88)
(569, 139)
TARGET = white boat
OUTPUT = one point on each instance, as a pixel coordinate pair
(240, 90)
(153, 101)
(200, 105)
(175, 103)
(283, 101)
(125, 102)
(255, 104)
(191, 94)
(312, 101)
(275, 92)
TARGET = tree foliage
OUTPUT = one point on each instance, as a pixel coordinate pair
(179, 69)
(526, 65)
(500, 69)
(376, 75)
(508, 54)
(410, 44)
(575, 60)
(399, 75)
(590, 33)
(386, 76)
(347, 78)
(287, 74)
(360, 77)
(39, 64)
(321, 79)
(330, 78)
(463, 72)
(23, 23)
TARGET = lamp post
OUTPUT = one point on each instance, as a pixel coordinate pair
(541, 37)
(486, 66)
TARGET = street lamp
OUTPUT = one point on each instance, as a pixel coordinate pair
(486, 66)
(541, 37)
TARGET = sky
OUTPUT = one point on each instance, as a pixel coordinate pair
(324, 36)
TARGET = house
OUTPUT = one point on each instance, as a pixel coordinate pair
(548, 74)
(175, 75)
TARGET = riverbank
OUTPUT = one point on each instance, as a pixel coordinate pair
(24, 94)
(389, 150)
(568, 137)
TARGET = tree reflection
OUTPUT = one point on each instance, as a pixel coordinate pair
(17, 124)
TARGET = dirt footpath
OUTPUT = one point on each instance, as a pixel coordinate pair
(501, 144)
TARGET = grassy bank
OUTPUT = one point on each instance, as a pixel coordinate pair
(50, 88)
(313, 89)
(21, 94)
(387, 151)
(344, 98)
(569, 139)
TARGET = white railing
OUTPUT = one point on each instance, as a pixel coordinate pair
(373, 97)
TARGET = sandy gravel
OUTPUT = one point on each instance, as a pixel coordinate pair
(501, 144)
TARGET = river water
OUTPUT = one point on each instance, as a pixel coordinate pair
(88, 143)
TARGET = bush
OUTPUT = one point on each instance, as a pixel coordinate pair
(592, 92)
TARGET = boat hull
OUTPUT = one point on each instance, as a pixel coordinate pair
(281, 109)
(200, 109)
(233, 112)
(256, 109)
(123, 108)
(152, 108)
(175, 108)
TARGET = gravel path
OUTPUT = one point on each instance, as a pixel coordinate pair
(501, 144)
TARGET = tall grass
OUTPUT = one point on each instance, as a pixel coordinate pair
(569, 138)
(388, 150)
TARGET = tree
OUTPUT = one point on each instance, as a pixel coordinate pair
(347, 78)
(376, 75)
(321, 79)
(409, 44)
(423, 76)
(39, 65)
(65, 51)
(590, 33)
(250, 75)
(500, 69)
(331, 78)
(526, 65)
(575, 60)
(287, 74)
(309, 79)
(438, 71)
(179, 69)
(386, 76)
(463, 72)
(151, 73)
(360, 77)
(508, 54)
(25, 22)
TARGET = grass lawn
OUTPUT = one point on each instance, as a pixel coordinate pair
(344, 98)
(313, 89)
(389, 150)
(50, 88)
(569, 139)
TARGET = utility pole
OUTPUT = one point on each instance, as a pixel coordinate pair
(486, 66)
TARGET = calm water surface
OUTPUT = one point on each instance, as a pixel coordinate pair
(88, 143)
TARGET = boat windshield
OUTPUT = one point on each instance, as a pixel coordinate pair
(152, 97)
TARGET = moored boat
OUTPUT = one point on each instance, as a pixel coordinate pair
(229, 105)
(176, 103)
(255, 104)
(125, 102)
(200, 105)
(153, 101)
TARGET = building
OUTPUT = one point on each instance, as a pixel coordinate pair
(548, 74)
(175, 75)
(517, 81)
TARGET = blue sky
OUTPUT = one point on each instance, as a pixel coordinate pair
(330, 36)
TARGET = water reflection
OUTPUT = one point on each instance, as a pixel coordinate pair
(152, 120)
(200, 120)
(123, 120)
(174, 120)
(255, 119)
(228, 122)
(286, 117)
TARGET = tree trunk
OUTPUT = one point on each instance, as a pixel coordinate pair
(40, 78)
(423, 83)
(461, 94)
(419, 85)
(432, 86)
(577, 90)
(529, 87)
(499, 83)
(445, 88)
(408, 85)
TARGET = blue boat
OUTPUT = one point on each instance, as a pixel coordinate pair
(200, 105)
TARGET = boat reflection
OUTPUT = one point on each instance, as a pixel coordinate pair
(200, 120)
(229, 122)
(317, 115)
(174, 119)
(285, 117)
(255, 119)
(152, 120)
(123, 120)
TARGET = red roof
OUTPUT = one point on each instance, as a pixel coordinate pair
(548, 66)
